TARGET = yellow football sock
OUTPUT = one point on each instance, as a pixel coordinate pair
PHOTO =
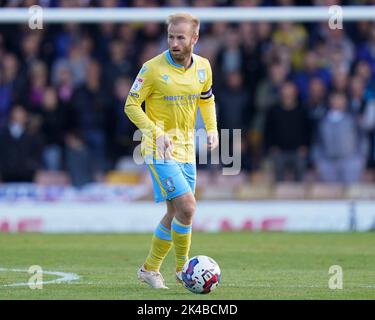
(181, 236)
(160, 246)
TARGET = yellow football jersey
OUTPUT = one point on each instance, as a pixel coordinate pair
(172, 95)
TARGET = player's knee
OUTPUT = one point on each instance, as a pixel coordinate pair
(188, 209)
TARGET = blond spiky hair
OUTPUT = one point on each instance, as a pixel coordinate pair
(184, 17)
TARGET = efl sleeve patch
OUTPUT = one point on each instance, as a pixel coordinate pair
(137, 85)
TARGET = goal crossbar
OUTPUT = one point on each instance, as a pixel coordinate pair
(212, 14)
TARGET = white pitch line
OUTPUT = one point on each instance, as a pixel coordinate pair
(64, 277)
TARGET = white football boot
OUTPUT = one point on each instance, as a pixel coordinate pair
(152, 278)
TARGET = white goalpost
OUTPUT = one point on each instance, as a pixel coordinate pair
(229, 14)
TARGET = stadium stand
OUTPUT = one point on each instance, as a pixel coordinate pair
(73, 80)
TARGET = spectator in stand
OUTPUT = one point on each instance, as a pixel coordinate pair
(118, 64)
(340, 80)
(337, 61)
(78, 160)
(254, 64)
(363, 109)
(235, 112)
(231, 57)
(363, 70)
(209, 44)
(264, 34)
(20, 151)
(52, 128)
(121, 136)
(316, 107)
(77, 61)
(63, 82)
(127, 34)
(38, 81)
(64, 39)
(150, 50)
(10, 83)
(359, 105)
(234, 108)
(367, 51)
(294, 37)
(337, 39)
(340, 148)
(91, 105)
(30, 50)
(149, 33)
(311, 70)
(287, 134)
(361, 30)
(316, 104)
(267, 93)
(104, 35)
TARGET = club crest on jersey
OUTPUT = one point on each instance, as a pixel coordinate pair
(165, 77)
(202, 75)
(137, 85)
(169, 184)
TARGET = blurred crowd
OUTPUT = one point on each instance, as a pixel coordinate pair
(302, 93)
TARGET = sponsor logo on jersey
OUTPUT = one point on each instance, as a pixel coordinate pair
(135, 95)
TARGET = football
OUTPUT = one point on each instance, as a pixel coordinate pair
(201, 274)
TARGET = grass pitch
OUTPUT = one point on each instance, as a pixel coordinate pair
(254, 265)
